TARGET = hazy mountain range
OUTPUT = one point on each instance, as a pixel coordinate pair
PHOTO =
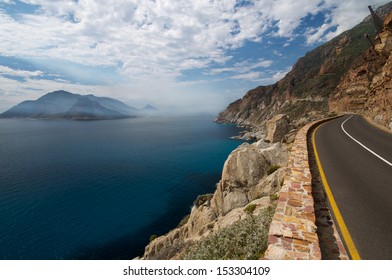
(65, 105)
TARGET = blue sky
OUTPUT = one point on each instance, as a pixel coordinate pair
(177, 55)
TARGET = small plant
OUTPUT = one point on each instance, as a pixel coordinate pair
(274, 196)
(250, 208)
(272, 169)
(152, 237)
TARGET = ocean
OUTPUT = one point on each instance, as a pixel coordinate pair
(100, 189)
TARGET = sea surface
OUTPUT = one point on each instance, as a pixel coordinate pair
(100, 189)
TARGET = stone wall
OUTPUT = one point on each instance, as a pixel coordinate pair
(293, 231)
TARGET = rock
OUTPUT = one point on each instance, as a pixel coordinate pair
(200, 218)
(276, 128)
(388, 22)
(239, 213)
(242, 173)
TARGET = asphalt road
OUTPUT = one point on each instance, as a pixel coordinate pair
(360, 181)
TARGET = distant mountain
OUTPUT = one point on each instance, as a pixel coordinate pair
(150, 110)
(65, 105)
(149, 107)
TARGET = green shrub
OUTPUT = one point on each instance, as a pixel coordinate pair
(274, 196)
(250, 208)
(245, 239)
(152, 237)
(272, 169)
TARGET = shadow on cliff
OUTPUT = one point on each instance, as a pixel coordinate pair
(132, 245)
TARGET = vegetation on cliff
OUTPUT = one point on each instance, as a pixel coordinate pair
(243, 240)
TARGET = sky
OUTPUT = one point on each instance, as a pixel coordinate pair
(178, 55)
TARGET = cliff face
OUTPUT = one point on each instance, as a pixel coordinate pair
(367, 88)
(305, 91)
(250, 175)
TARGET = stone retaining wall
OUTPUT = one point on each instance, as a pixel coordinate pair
(292, 234)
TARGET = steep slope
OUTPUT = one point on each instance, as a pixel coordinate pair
(116, 105)
(367, 88)
(305, 90)
(86, 108)
(51, 105)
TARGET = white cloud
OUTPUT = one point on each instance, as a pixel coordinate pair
(160, 38)
(151, 43)
(342, 15)
(315, 35)
(244, 68)
(247, 76)
(280, 74)
(4, 70)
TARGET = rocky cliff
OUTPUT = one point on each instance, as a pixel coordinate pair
(251, 175)
(318, 79)
(367, 88)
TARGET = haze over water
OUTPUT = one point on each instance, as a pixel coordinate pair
(99, 189)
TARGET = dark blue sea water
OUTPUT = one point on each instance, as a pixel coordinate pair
(100, 189)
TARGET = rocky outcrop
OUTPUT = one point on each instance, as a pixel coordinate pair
(243, 173)
(250, 175)
(276, 128)
(367, 88)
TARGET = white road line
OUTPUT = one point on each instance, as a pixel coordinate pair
(380, 157)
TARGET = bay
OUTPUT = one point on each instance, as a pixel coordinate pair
(100, 189)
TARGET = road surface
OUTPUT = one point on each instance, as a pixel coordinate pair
(356, 159)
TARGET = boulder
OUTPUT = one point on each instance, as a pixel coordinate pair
(276, 128)
(242, 173)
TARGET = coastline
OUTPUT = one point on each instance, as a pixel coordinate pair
(239, 190)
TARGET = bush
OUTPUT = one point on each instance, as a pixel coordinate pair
(152, 237)
(250, 208)
(272, 169)
(245, 239)
(274, 196)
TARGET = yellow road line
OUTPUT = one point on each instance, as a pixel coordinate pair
(335, 209)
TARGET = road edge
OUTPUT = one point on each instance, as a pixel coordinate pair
(333, 205)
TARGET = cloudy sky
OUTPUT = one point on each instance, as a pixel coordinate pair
(175, 54)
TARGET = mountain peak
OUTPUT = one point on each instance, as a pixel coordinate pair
(149, 107)
(58, 93)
